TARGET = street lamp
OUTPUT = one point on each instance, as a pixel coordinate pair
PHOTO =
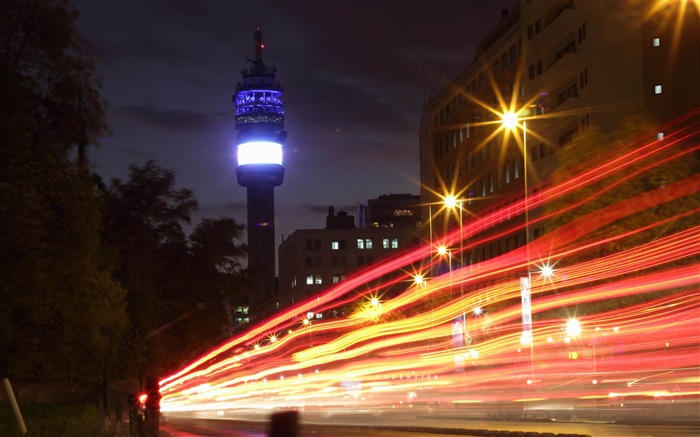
(442, 251)
(452, 202)
(510, 120)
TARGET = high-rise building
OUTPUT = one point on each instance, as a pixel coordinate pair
(312, 260)
(565, 66)
(260, 125)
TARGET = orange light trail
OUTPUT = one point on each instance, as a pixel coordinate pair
(636, 309)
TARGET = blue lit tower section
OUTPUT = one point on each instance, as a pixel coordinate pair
(260, 126)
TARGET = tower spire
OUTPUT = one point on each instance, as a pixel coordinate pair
(258, 47)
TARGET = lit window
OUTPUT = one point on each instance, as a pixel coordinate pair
(360, 243)
(336, 279)
(335, 245)
(660, 136)
(368, 243)
(656, 42)
(294, 282)
(309, 279)
(658, 89)
(385, 243)
(317, 280)
(394, 243)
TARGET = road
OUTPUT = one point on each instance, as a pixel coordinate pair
(387, 425)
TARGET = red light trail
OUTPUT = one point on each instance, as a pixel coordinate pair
(637, 330)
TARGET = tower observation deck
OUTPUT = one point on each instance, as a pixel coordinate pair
(260, 124)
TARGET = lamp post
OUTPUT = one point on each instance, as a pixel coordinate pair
(510, 120)
(452, 202)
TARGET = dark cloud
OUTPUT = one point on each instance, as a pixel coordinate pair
(174, 119)
(355, 73)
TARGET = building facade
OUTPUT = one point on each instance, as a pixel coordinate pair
(563, 66)
(311, 260)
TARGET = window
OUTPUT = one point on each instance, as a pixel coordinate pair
(660, 136)
(294, 281)
(335, 245)
(530, 31)
(309, 244)
(317, 244)
(336, 279)
(360, 260)
(658, 89)
(368, 243)
(539, 67)
(568, 136)
(506, 171)
(570, 92)
(656, 42)
(343, 244)
(583, 78)
(360, 243)
(385, 243)
(394, 243)
(309, 262)
(516, 169)
(569, 48)
(309, 279)
(317, 280)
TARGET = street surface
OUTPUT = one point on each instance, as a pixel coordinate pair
(397, 425)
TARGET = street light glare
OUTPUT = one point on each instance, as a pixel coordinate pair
(573, 328)
(450, 201)
(418, 279)
(442, 250)
(510, 120)
(546, 271)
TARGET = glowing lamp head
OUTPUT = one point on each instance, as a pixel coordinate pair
(510, 120)
(259, 152)
(451, 201)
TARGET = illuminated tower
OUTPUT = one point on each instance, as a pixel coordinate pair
(260, 126)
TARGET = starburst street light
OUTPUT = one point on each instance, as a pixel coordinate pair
(510, 120)
(573, 328)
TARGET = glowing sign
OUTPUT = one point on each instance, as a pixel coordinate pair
(260, 152)
(526, 309)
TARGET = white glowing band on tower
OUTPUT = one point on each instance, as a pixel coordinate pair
(260, 152)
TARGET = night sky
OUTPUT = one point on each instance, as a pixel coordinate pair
(354, 82)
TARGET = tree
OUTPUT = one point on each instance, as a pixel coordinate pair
(178, 287)
(663, 213)
(212, 282)
(47, 79)
(60, 305)
(144, 234)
